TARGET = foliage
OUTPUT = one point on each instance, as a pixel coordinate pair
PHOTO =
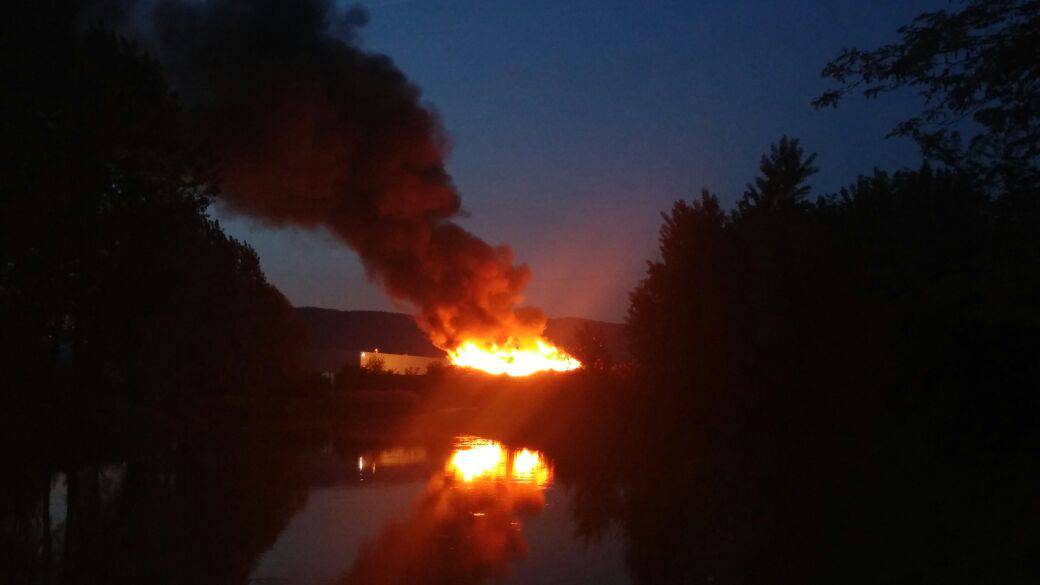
(782, 183)
(848, 362)
(116, 289)
(981, 64)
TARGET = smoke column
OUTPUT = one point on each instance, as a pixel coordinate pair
(311, 130)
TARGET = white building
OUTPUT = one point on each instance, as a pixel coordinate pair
(398, 363)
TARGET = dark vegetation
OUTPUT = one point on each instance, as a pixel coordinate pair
(118, 292)
(976, 69)
(839, 388)
(846, 389)
(130, 323)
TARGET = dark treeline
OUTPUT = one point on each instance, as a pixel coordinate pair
(117, 289)
(844, 388)
(127, 316)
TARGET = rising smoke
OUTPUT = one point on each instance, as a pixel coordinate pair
(311, 130)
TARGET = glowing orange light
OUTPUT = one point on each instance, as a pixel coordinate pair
(478, 459)
(513, 358)
(530, 467)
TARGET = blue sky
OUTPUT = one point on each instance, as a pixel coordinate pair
(576, 123)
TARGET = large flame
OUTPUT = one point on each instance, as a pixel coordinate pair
(513, 358)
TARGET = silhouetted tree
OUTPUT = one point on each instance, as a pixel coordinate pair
(833, 365)
(981, 63)
(123, 296)
(782, 183)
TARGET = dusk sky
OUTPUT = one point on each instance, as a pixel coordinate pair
(576, 123)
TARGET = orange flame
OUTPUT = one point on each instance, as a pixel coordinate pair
(530, 467)
(513, 358)
(478, 461)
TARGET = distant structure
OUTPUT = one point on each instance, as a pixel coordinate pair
(398, 363)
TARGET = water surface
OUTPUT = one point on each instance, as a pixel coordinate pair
(479, 511)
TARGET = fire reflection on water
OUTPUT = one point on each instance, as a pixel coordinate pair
(530, 467)
(476, 460)
(398, 457)
(466, 526)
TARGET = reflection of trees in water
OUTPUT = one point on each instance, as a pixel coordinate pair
(190, 517)
(781, 508)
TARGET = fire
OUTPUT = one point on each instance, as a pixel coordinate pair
(530, 467)
(477, 461)
(513, 358)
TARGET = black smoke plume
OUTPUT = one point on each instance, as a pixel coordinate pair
(311, 130)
